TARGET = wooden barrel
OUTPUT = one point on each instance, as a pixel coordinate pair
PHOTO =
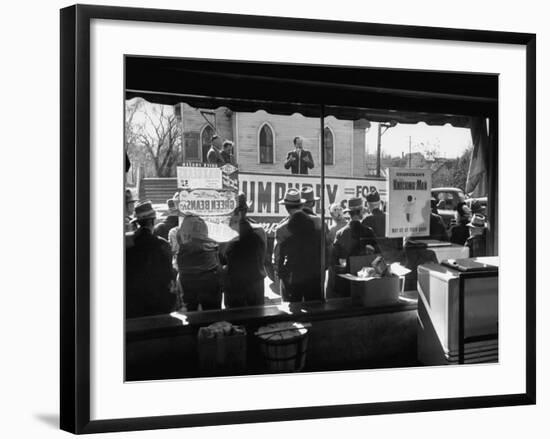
(283, 346)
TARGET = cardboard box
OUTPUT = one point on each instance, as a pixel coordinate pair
(374, 291)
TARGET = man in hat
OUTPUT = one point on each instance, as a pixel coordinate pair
(477, 241)
(293, 203)
(227, 152)
(309, 208)
(170, 220)
(129, 203)
(460, 232)
(213, 156)
(148, 267)
(376, 220)
(355, 239)
(299, 160)
(300, 259)
(437, 225)
(244, 260)
(311, 199)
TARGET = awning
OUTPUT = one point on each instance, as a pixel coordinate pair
(350, 93)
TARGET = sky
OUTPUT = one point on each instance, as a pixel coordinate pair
(452, 141)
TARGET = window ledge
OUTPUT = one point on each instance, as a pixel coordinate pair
(178, 323)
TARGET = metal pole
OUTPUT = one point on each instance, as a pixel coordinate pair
(410, 151)
(182, 143)
(323, 237)
(378, 149)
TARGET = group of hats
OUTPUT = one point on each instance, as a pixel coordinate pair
(356, 204)
(293, 197)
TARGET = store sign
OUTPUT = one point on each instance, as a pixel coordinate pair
(408, 207)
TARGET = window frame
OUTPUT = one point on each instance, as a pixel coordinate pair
(203, 129)
(258, 134)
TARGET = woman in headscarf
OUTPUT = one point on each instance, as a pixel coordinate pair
(198, 265)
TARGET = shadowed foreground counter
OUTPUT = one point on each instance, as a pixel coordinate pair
(342, 336)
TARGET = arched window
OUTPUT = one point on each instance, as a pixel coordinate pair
(329, 146)
(266, 144)
(206, 140)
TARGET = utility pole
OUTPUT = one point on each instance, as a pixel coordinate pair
(378, 149)
(410, 151)
(381, 125)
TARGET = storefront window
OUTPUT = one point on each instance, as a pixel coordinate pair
(226, 251)
(339, 228)
(300, 213)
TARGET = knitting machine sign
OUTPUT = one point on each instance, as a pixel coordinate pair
(409, 193)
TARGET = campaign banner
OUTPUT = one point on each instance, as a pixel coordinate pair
(266, 190)
(408, 202)
(199, 176)
(210, 192)
(207, 202)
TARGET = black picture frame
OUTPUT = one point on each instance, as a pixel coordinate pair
(75, 215)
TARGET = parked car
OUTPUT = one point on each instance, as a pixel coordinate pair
(447, 200)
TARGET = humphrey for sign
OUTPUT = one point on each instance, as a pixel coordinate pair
(408, 211)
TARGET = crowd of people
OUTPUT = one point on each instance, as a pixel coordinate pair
(299, 160)
(174, 264)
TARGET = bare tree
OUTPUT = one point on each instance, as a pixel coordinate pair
(461, 170)
(430, 150)
(153, 132)
(133, 106)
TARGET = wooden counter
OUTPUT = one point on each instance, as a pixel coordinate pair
(342, 336)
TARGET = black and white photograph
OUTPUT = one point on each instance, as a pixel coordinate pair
(291, 218)
(299, 216)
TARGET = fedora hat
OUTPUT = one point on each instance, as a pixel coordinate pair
(144, 210)
(477, 221)
(354, 204)
(242, 204)
(308, 195)
(373, 197)
(292, 198)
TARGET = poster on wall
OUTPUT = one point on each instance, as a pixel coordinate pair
(199, 176)
(408, 208)
(209, 192)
